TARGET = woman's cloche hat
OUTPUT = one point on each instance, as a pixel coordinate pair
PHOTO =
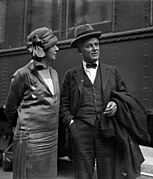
(82, 32)
(40, 40)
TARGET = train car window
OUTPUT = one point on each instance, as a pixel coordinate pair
(88, 11)
(2, 19)
(43, 13)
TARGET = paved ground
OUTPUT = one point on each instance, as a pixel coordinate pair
(5, 175)
(147, 167)
(64, 171)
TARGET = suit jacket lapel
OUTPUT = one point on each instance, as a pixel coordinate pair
(104, 75)
(78, 76)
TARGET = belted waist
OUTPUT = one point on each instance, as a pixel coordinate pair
(21, 135)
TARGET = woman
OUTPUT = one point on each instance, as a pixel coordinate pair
(32, 108)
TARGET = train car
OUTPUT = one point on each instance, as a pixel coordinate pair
(126, 42)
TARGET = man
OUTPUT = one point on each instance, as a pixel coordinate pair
(92, 97)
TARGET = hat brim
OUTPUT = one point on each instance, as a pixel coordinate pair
(84, 36)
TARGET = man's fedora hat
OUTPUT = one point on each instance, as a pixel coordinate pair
(82, 32)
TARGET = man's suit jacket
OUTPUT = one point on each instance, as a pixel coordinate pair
(72, 87)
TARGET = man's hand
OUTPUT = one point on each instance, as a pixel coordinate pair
(111, 108)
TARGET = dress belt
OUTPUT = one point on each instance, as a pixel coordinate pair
(21, 135)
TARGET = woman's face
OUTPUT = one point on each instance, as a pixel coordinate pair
(52, 52)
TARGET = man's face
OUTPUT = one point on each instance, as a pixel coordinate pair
(89, 49)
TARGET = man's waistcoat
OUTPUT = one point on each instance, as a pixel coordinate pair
(91, 105)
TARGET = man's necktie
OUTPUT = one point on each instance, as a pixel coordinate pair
(91, 65)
